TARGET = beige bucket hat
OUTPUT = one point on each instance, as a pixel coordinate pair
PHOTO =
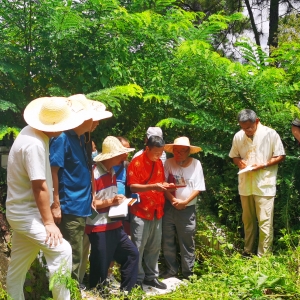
(182, 141)
(54, 114)
(111, 147)
(96, 109)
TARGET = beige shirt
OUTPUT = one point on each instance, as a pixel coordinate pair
(266, 143)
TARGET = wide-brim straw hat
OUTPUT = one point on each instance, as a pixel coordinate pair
(182, 141)
(96, 109)
(112, 147)
(54, 114)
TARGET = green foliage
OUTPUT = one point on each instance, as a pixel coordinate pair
(3, 294)
(63, 278)
(153, 62)
(114, 97)
(253, 54)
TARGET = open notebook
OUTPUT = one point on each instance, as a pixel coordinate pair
(247, 169)
(121, 210)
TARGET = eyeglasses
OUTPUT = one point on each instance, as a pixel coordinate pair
(183, 151)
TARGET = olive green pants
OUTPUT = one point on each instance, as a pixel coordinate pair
(72, 228)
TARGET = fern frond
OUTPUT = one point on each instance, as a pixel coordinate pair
(6, 105)
(252, 53)
(156, 98)
(113, 96)
(4, 130)
(172, 122)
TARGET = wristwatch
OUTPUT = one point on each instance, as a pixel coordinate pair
(265, 166)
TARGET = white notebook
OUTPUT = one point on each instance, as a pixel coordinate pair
(119, 211)
(247, 169)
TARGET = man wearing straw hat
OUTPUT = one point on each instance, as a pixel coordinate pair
(72, 179)
(108, 240)
(180, 208)
(29, 193)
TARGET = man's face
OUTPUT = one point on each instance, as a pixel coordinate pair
(119, 159)
(181, 153)
(154, 153)
(94, 125)
(249, 127)
(84, 127)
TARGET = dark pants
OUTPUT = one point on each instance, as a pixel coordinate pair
(183, 224)
(72, 229)
(113, 245)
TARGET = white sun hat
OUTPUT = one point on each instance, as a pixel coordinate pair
(111, 147)
(54, 114)
(154, 131)
(96, 109)
(182, 141)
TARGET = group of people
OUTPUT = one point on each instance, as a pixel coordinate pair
(60, 190)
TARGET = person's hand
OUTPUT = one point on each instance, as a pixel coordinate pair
(118, 199)
(53, 235)
(242, 164)
(158, 187)
(257, 167)
(171, 187)
(94, 206)
(178, 204)
(56, 212)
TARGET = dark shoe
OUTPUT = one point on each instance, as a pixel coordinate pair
(139, 284)
(155, 283)
(82, 287)
(166, 275)
(246, 254)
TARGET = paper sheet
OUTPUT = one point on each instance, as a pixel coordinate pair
(247, 169)
(120, 210)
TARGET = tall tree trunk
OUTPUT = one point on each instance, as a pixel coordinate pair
(273, 25)
(253, 25)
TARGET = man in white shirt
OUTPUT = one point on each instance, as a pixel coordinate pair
(260, 148)
(29, 194)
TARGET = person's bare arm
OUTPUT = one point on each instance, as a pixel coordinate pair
(296, 132)
(42, 199)
(93, 192)
(55, 207)
(271, 162)
(239, 162)
(135, 188)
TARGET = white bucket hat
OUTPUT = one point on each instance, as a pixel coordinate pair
(154, 131)
(54, 114)
(96, 109)
(182, 141)
(111, 147)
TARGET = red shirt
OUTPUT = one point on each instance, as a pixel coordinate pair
(152, 202)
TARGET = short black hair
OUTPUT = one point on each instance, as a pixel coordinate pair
(155, 141)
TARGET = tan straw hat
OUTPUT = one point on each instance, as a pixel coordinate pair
(111, 147)
(54, 114)
(182, 141)
(96, 109)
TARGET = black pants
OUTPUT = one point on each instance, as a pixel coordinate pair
(113, 245)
